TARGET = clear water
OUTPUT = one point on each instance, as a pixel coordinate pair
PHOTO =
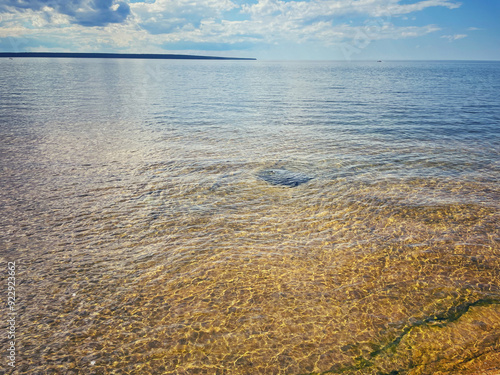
(147, 244)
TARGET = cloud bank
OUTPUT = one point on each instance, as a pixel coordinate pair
(156, 26)
(81, 12)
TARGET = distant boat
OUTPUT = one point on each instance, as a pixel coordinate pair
(379, 60)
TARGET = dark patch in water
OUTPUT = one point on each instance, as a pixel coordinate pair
(283, 177)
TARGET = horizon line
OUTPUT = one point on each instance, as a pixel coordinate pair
(105, 55)
(169, 56)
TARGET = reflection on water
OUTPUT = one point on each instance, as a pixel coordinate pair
(148, 244)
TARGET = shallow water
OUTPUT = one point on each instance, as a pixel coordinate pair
(146, 243)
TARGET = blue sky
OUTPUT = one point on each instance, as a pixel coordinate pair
(266, 29)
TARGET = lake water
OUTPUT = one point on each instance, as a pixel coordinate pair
(146, 241)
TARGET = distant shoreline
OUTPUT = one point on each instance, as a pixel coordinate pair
(81, 55)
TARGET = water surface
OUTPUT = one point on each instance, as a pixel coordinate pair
(146, 242)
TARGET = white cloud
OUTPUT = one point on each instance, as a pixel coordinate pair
(166, 16)
(454, 37)
(329, 8)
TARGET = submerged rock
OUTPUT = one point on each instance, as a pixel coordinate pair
(283, 177)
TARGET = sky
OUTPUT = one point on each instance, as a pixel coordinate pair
(264, 29)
